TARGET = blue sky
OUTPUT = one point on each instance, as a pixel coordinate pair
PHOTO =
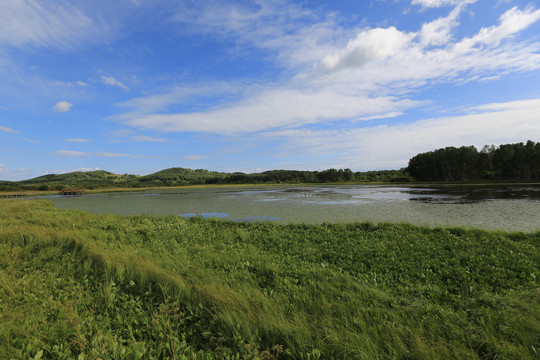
(136, 86)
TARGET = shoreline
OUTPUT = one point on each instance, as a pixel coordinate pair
(34, 193)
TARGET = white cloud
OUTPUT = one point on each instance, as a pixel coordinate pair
(43, 23)
(88, 169)
(195, 157)
(187, 94)
(9, 130)
(438, 31)
(77, 140)
(81, 83)
(431, 55)
(345, 75)
(72, 153)
(145, 138)
(440, 3)
(510, 23)
(129, 135)
(109, 80)
(272, 109)
(11, 174)
(392, 146)
(369, 46)
(272, 25)
(61, 83)
(63, 106)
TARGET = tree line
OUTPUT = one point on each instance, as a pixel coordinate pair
(313, 177)
(180, 176)
(509, 162)
(519, 161)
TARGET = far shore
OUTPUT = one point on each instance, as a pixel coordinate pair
(36, 193)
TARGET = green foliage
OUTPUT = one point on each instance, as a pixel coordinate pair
(314, 177)
(179, 176)
(78, 179)
(506, 162)
(78, 285)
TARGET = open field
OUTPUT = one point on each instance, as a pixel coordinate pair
(74, 284)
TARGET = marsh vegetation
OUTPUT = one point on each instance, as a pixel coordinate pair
(74, 284)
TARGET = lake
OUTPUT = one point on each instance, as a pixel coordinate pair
(511, 208)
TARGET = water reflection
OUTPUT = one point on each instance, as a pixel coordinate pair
(491, 207)
(471, 194)
(367, 194)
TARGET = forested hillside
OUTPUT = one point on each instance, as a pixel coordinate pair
(181, 176)
(89, 179)
(506, 162)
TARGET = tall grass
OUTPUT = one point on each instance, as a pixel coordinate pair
(73, 284)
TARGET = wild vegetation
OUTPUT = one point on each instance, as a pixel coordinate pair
(505, 162)
(179, 176)
(78, 285)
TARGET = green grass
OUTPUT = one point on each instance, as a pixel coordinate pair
(78, 285)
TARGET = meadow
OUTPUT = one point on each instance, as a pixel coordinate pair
(86, 286)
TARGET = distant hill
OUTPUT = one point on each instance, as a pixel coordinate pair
(178, 176)
(508, 162)
(72, 176)
(88, 179)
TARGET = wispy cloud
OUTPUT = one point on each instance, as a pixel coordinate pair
(431, 54)
(392, 146)
(193, 93)
(346, 75)
(129, 135)
(8, 130)
(109, 80)
(145, 138)
(276, 108)
(440, 3)
(44, 23)
(72, 153)
(63, 106)
(88, 169)
(316, 81)
(195, 157)
(297, 34)
(77, 140)
(11, 173)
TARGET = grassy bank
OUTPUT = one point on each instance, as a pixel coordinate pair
(78, 285)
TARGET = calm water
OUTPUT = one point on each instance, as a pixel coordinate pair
(515, 208)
